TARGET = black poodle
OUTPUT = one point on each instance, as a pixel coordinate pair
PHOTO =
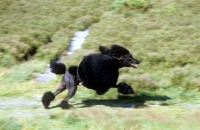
(98, 71)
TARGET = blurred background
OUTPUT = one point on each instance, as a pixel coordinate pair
(163, 34)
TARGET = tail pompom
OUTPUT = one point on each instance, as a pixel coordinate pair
(73, 70)
(57, 68)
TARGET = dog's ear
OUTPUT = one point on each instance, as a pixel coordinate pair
(104, 50)
(116, 49)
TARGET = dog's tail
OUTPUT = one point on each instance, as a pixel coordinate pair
(57, 68)
(60, 68)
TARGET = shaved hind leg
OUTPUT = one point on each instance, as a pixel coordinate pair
(71, 85)
(68, 82)
(49, 96)
(71, 92)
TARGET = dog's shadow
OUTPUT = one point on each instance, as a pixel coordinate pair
(137, 101)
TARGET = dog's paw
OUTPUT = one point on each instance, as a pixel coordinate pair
(125, 88)
(65, 105)
(47, 98)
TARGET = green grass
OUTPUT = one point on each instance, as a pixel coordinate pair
(121, 5)
(164, 35)
(147, 110)
(70, 121)
(32, 27)
(17, 73)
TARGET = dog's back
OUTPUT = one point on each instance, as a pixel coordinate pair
(98, 70)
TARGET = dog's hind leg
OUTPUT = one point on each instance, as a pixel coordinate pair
(68, 82)
(60, 88)
(49, 96)
(71, 85)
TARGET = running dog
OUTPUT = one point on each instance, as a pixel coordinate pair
(97, 71)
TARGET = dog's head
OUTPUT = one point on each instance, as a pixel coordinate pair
(121, 54)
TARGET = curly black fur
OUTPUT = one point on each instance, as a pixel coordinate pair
(99, 71)
(47, 98)
(57, 68)
(73, 70)
(125, 88)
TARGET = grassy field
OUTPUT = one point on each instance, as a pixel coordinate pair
(164, 35)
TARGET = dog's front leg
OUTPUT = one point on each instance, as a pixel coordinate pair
(125, 88)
